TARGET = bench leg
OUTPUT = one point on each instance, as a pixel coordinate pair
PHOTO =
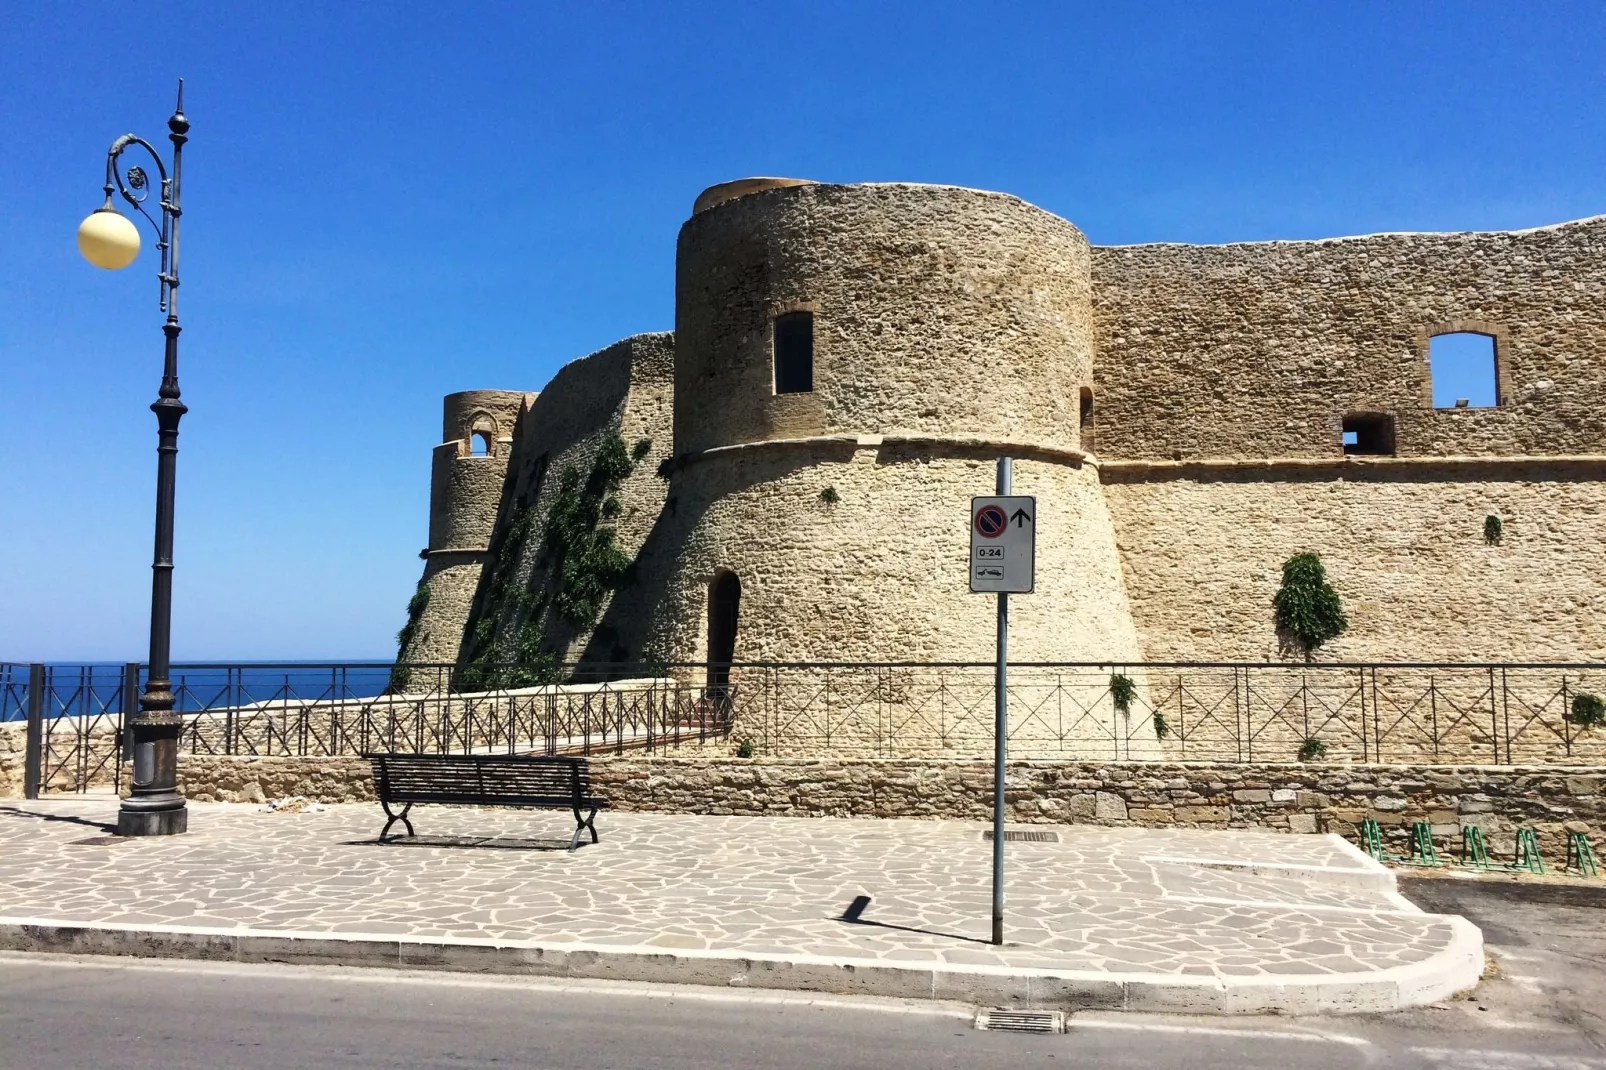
(581, 824)
(402, 817)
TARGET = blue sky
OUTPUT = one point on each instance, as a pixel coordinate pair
(386, 202)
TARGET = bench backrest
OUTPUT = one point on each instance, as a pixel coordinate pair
(518, 780)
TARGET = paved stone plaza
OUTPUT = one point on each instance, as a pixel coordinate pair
(1132, 917)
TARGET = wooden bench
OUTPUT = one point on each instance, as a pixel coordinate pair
(546, 783)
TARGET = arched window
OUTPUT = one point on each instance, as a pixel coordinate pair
(1464, 370)
(794, 353)
(482, 436)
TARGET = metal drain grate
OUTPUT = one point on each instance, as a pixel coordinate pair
(1023, 836)
(1001, 1020)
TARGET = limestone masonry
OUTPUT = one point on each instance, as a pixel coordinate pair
(787, 475)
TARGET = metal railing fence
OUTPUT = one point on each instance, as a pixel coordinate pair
(1405, 713)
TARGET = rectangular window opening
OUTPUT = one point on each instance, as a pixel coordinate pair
(1464, 372)
(1369, 434)
(794, 353)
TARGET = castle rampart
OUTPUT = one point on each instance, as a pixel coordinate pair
(849, 361)
(1260, 350)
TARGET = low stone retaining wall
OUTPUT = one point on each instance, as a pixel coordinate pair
(13, 745)
(1289, 797)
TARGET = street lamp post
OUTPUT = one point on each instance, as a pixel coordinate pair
(109, 240)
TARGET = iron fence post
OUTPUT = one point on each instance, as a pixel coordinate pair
(125, 735)
(33, 753)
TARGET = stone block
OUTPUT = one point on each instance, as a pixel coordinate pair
(1202, 815)
(1302, 823)
(1251, 795)
(1107, 806)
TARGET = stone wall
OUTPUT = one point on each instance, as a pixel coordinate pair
(13, 745)
(625, 389)
(1285, 797)
(881, 572)
(1259, 350)
(1202, 551)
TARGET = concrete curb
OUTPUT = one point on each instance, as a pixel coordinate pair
(1454, 969)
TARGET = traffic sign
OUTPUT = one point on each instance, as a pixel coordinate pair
(1003, 544)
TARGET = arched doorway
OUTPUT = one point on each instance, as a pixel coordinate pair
(724, 604)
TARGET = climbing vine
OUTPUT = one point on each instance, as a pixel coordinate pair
(578, 567)
(584, 561)
(1308, 609)
(401, 675)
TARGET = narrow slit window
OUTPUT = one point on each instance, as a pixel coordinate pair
(1085, 422)
(794, 353)
(1369, 434)
(1463, 368)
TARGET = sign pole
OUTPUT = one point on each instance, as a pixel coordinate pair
(1000, 734)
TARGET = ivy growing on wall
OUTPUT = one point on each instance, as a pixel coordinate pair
(401, 675)
(586, 565)
(521, 627)
(1308, 609)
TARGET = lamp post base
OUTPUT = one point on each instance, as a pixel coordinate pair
(153, 822)
(143, 822)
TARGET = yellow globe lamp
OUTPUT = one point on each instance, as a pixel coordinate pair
(108, 239)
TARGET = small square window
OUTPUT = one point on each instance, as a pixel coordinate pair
(1369, 434)
(794, 353)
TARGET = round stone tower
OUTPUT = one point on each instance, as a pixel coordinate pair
(849, 363)
(465, 492)
(935, 310)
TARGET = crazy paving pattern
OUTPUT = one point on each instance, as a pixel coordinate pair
(1129, 901)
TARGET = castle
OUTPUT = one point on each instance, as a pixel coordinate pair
(787, 476)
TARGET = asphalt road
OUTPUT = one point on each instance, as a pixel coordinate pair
(1542, 1010)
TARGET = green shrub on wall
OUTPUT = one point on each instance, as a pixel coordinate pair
(1587, 711)
(1308, 609)
(1494, 529)
(1312, 750)
(1122, 692)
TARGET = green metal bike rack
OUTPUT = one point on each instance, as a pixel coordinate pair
(1474, 851)
(1422, 852)
(1527, 856)
(1372, 838)
(1580, 856)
